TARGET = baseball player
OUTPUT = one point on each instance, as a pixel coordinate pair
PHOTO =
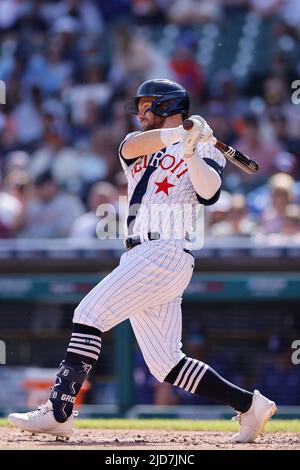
(166, 166)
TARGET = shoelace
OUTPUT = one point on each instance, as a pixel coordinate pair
(42, 409)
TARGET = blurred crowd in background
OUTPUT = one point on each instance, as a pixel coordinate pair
(69, 66)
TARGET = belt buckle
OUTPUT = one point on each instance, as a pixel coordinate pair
(153, 236)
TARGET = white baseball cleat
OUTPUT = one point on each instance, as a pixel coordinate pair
(42, 421)
(253, 421)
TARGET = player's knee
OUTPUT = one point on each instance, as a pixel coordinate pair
(159, 373)
(78, 316)
(83, 316)
(97, 318)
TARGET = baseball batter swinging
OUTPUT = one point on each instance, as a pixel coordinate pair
(165, 165)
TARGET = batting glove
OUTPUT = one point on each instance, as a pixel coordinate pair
(200, 133)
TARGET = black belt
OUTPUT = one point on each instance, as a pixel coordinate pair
(135, 240)
(131, 242)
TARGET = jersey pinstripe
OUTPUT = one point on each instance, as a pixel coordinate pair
(148, 284)
(166, 189)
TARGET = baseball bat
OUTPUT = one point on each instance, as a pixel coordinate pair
(234, 156)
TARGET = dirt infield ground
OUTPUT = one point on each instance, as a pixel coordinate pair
(121, 439)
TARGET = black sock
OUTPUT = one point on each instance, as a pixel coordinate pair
(196, 377)
(82, 354)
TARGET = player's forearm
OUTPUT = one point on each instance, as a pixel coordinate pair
(150, 141)
(204, 178)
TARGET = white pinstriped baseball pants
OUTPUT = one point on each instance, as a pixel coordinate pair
(147, 288)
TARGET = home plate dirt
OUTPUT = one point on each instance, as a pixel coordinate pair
(11, 438)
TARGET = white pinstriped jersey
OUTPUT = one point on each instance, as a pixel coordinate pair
(148, 284)
(160, 193)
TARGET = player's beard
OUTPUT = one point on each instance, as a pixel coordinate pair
(157, 123)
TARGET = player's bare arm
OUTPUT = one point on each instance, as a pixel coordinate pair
(149, 141)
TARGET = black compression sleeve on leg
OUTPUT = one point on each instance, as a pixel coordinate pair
(82, 354)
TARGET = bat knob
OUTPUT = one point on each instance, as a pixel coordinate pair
(187, 124)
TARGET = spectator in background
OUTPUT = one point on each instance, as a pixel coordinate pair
(17, 160)
(187, 12)
(277, 96)
(148, 12)
(291, 226)
(217, 117)
(51, 212)
(70, 65)
(98, 161)
(237, 222)
(17, 183)
(282, 190)
(10, 211)
(218, 212)
(285, 162)
(11, 11)
(87, 13)
(226, 97)
(290, 13)
(136, 56)
(55, 153)
(291, 144)
(253, 144)
(27, 117)
(56, 72)
(187, 70)
(265, 8)
(90, 225)
(88, 123)
(260, 198)
(290, 230)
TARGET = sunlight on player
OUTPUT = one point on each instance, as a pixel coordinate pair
(164, 164)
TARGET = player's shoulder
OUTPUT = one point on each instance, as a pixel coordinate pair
(125, 162)
(131, 134)
(210, 151)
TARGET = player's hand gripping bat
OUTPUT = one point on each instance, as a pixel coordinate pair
(235, 156)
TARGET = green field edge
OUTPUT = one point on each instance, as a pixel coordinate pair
(277, 425)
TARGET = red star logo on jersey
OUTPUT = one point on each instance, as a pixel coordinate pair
(164, 186)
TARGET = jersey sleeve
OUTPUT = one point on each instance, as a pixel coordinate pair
(214, 158)
(125, 162)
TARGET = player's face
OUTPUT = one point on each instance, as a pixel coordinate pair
(147, 119)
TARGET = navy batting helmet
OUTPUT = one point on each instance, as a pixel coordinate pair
(170, 98)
